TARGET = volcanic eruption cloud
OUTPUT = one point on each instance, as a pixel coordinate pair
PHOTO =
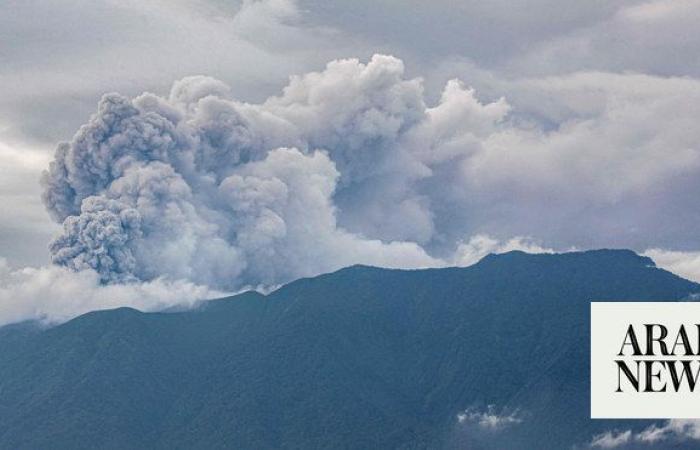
(201, 187)
(351, 165)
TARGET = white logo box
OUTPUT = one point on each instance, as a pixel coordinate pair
(610, 322)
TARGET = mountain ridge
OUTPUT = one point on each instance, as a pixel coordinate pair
(362, 357)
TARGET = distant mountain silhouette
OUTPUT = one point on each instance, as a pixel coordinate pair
(361, 358)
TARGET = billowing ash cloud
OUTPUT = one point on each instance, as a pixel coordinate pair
(351, 165)
(201, 187)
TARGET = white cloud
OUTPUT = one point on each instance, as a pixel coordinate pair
(617, 170)
(680, 429)
(653, 37)
(612, 439)
(488, 419)
(55, 294)
(674, 430)
(685, 264)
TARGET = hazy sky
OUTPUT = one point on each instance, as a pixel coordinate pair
(573, 125)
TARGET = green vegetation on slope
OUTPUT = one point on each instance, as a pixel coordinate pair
(360, 358)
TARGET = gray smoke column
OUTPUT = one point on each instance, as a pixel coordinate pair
(201, 187)
(350, 165)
